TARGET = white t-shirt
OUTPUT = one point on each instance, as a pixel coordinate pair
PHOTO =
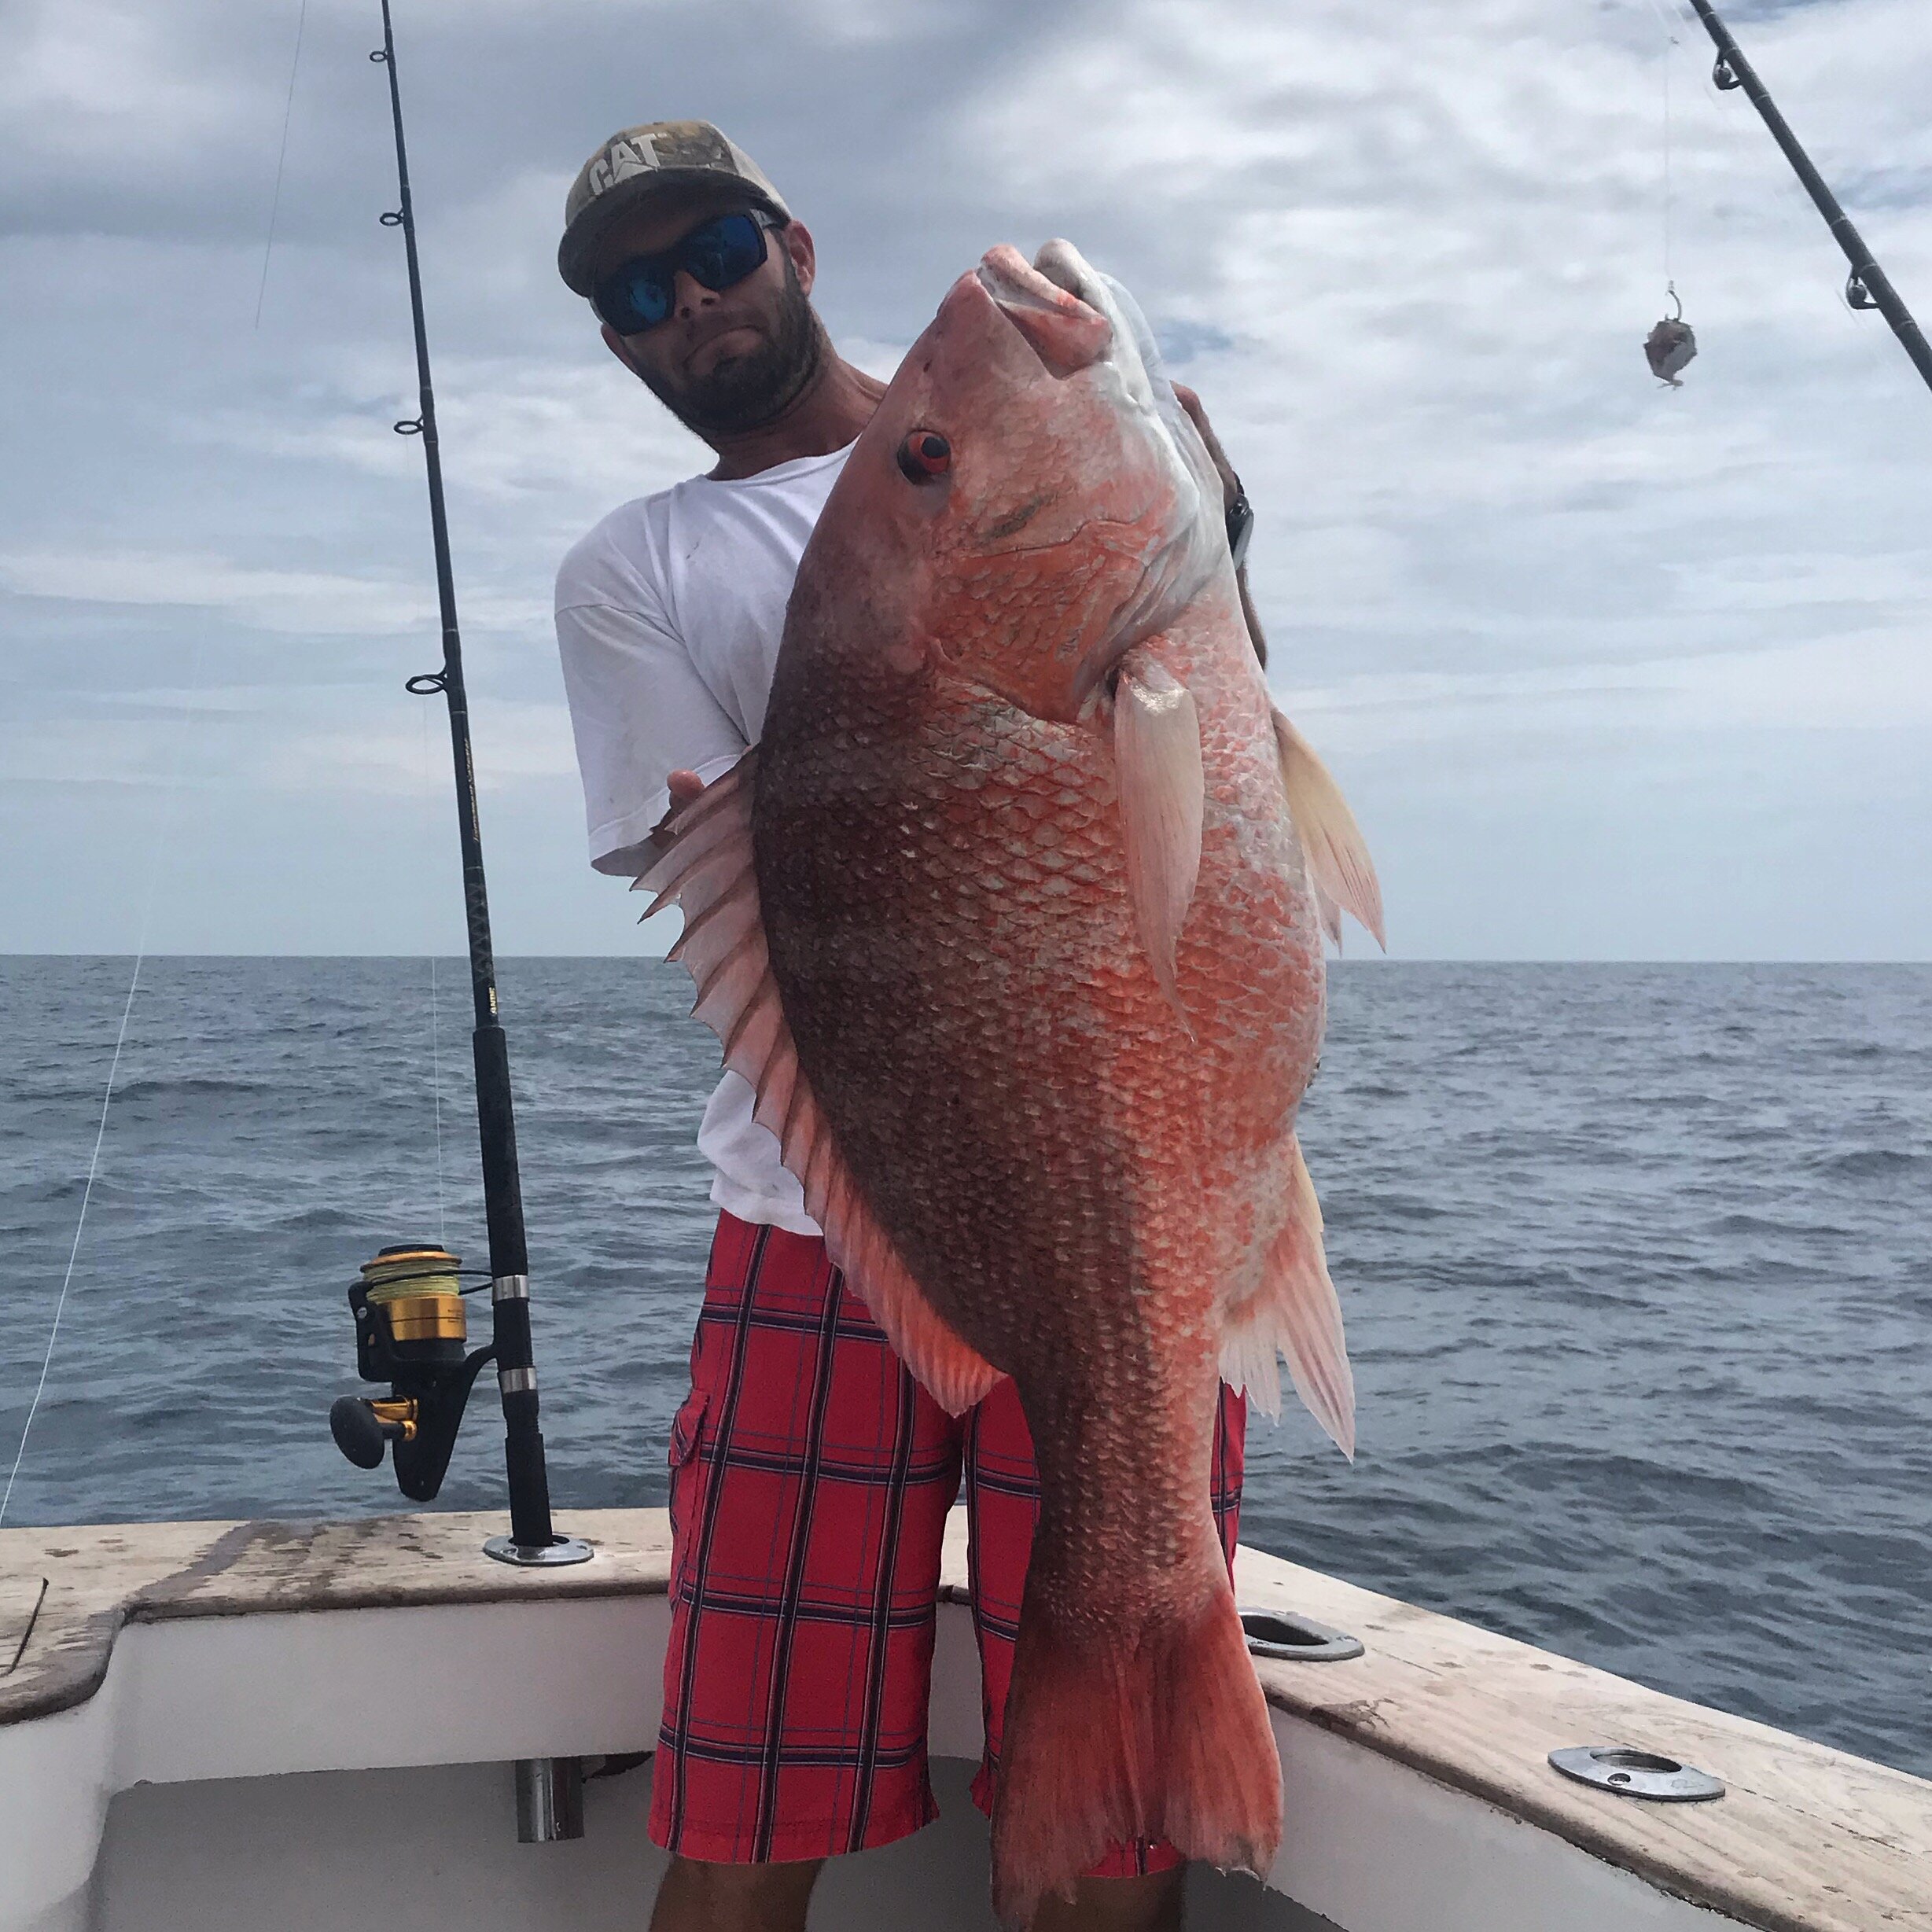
(669, 615)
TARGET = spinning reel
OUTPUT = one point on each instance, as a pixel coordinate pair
(411, 1330)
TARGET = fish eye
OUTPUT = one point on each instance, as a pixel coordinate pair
(924, 454)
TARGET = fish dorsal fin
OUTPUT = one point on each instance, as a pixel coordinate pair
(707, 871)
(1163, 792)
(1331, 841)
(1294, 1312)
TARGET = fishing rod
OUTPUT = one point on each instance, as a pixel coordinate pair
(1867, 286)
(410, 1323)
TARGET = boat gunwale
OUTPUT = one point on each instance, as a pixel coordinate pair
(1464, 1707)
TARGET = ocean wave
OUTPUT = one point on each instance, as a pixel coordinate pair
(1873, 1163)
(191, 1086)
(1635, 1285)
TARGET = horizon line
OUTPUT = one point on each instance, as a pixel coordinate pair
(1347, 959)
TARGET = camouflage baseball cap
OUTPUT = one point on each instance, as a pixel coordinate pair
(643, 162)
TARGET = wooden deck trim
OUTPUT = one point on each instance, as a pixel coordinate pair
(20, 1598)
(101, 1578)
(1808, 1839)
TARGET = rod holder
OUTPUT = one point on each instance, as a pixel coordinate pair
(1632, 1773)
(554, 1554)
(1280, 1633)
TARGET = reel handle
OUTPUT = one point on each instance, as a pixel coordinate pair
(362, 1435)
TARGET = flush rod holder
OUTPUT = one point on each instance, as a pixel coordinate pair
(1631, 1773)
(1287, 1634)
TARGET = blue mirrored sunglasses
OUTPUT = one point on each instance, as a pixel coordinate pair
(638, 294)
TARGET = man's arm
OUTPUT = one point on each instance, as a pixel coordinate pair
(648, 729)
(1231, 486)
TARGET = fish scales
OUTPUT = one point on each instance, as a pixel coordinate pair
(977, 1013)
(1037, 1151)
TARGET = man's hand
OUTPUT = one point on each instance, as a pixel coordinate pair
(685, 786)
(1230, 489)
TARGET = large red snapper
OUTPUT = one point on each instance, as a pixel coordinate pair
(1014, 921)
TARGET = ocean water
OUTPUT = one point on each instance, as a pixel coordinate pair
(1634, 1260)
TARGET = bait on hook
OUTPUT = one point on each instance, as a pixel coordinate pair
(1670, 347)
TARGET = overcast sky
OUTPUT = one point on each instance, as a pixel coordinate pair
(1607, 671)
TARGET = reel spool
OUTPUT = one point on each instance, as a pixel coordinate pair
(412, 1332)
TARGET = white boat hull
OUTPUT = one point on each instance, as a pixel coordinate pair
(242, 1758)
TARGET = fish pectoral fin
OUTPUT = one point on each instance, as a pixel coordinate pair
(707, 871)
(1331, 841)
(1294, 1312)
(1163, 791)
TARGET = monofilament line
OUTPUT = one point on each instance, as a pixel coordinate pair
(160, 832)
(59, 1307)
(435, 1062)
(435, 1024)
(1670, 186)
(1670, 44)
(275, 205)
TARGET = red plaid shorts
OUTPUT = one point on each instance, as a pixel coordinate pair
(810, 1478)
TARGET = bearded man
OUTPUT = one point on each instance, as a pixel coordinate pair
(810, 1476)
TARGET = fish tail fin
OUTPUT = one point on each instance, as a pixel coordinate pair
(1110, 1738)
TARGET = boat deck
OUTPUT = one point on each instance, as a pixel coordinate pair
(1806, 1839)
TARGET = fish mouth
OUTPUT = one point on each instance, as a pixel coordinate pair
(1088, 323)
(1081, 323)
(1064, 330)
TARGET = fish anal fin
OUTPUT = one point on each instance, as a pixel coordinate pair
(1294, 1312)
(1331, 841)
(955, 1374)
(707, 869)
(1163, 794)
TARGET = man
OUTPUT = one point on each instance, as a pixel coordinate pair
(810, 1476)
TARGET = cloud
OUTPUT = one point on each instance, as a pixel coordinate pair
(1881, 682)
(305, 602)
(1407, 258)
(525, 741)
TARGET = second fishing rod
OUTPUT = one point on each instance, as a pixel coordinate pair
(1868, 286)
